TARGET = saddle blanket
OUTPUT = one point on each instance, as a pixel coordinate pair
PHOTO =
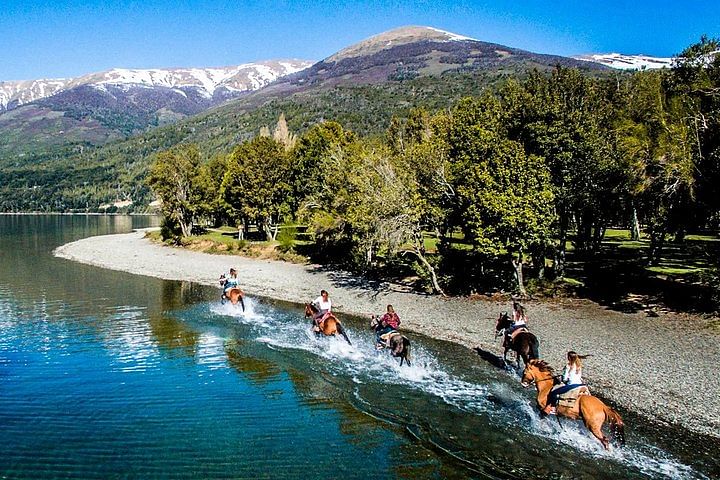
(569, 398)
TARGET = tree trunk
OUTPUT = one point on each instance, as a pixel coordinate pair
(680, 236)
(657, 241)
(634, 224)
(559, 261)
(268, 232)
(369, 255)
(433, 276)
(518, 269)
(538, 259)
(185, 226)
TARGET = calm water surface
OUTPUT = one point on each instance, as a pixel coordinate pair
(110, 375)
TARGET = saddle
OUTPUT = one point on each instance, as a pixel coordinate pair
(517, 332)
(385, 338)
(569, 398)
(321, 321)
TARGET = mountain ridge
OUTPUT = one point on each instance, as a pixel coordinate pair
(235, 78)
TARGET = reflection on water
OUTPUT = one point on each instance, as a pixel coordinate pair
(106, 375)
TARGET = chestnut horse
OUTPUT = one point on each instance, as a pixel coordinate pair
(235, 295)
(593, 412)
(330, 326)
(398, 343)
(525, 344)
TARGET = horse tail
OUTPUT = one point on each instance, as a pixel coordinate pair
(534, 348)
(616, 424)
(341, 329)
(406, 349)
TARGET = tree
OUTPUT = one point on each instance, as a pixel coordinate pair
(256, 185)
(504, 197)
(175, 178)
(565, 118)
(311, 150)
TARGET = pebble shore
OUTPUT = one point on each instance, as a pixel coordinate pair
(662, 367)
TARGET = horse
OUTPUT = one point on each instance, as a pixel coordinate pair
(593, 412)
(235, 295)
(523, 343)
(330, 326)
(398, 343)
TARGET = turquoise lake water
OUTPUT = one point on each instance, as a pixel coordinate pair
(110, 375)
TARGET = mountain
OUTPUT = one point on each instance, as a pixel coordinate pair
(93, 109)
(206, 81)
(410, 52)
(627, 62)
(361, 86)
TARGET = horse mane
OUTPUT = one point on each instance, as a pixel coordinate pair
(541, 365)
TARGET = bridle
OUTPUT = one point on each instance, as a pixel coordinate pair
(534, 380)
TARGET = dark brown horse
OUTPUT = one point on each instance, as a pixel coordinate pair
(524, 343)
(593, 412)
(398, 343)
(235, 295)
(329, 326)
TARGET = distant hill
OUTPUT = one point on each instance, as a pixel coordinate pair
(38, 115)
(361, 86)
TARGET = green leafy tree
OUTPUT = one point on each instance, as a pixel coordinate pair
(176, 179)
(256, 186)
(504, 197)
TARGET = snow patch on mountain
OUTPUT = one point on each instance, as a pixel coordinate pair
(238, 78)
(627, 62)
(453, 37)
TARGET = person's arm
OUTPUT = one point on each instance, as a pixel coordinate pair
(566, 374)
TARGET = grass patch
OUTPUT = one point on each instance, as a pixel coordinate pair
(220, 243)
(670, 271)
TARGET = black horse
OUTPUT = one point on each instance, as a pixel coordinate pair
(397, 343)
(525, 344)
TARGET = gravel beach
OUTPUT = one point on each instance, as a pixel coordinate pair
(662, 367)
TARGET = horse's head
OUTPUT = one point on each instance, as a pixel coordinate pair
(503, 321)
(310, 310)
(374, 322)
(535, 370)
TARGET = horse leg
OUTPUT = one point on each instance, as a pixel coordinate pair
(594, 419)
(596, 430)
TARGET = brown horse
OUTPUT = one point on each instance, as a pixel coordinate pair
(524, 343)
(235, 295)
(593, 412)
(398, 343)
(330, 326)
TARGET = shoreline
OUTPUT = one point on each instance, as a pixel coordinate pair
(671, 381)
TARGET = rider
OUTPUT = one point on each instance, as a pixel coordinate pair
(572, 378)
(519, 321)
(228, 281)
(323, 306)
(388, 323)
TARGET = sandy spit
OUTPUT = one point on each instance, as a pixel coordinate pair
(663, 368)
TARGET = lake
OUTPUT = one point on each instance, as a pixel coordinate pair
(105, 375)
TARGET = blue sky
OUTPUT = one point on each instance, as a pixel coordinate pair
(62, 38)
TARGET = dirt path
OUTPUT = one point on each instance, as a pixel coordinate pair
(664, 367)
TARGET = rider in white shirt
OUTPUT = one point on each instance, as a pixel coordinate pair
(572, 377)
(323, 305)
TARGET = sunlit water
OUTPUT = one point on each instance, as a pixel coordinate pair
(109, 375)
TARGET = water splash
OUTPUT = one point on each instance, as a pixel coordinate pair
(363, 363)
